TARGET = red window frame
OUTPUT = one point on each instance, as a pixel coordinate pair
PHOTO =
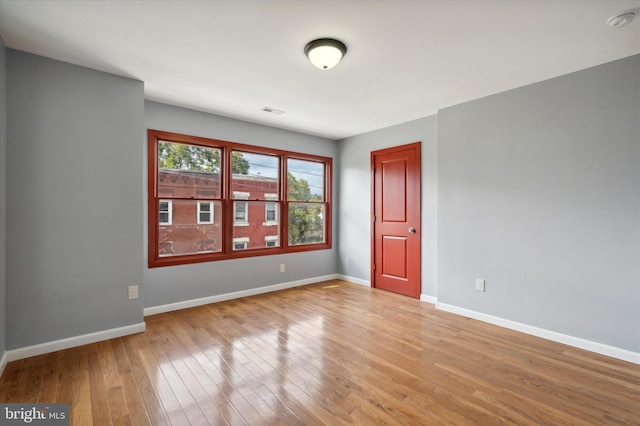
(154, 137)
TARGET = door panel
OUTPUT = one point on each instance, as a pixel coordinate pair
(396, 220)
(394, 254)
(394, 189)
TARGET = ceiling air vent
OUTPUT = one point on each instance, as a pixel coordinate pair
(272, 110)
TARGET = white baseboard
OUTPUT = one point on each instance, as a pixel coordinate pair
(153, 310)
(429, 299)
(71, 342)
(354, 280)
(577, 342)
(3, 363)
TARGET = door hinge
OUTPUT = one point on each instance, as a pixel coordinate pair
(374, 218)
(374, 266)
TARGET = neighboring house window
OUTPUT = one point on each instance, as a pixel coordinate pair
(271, 213)
(241, 214)
(240, 243)
(164, 212)
(240, 211)
(205, 212)
(271, 210)
(226, 200)
(271, 241)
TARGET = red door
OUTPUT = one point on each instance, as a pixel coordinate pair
(396, 220)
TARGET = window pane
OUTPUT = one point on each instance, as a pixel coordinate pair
(306, 223)
(185, 236)
(305, 180)
(188, 171)
(256, 231)
(254, 175)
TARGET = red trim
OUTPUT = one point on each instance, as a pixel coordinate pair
(152, 238)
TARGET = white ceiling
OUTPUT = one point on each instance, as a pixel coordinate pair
(405, 60)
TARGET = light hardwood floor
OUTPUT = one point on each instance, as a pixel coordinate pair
(329, 353)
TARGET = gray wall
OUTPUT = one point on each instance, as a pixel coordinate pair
(539, 194)
(74, 200)
(173, 284)
(3, 195)
(355, 196)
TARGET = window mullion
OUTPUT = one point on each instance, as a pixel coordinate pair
(228, 218)
(284, 212)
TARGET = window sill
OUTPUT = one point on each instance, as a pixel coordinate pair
(238, 254)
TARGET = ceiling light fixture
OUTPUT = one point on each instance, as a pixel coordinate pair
(623, 18)
(325, 53)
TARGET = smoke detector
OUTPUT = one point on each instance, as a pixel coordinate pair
(622, 19)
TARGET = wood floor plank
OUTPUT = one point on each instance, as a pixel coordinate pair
(17, 374)
(328, 353)
(35, 379)
(100, 412)
(50, 377)
(138, 387)
(81, 409)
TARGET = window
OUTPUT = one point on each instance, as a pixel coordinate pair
(213, 200)
(164, 214)
(241, 214)
(240, 211)
(205, 212)
(240, 243)
(271, 212)
(305, 190)
(271, 241)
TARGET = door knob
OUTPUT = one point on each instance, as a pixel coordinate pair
(412, 230)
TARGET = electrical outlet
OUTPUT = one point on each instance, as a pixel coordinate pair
(133, 292)
(282, 267)
(479, 284)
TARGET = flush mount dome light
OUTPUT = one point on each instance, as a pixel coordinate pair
(325, 53)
